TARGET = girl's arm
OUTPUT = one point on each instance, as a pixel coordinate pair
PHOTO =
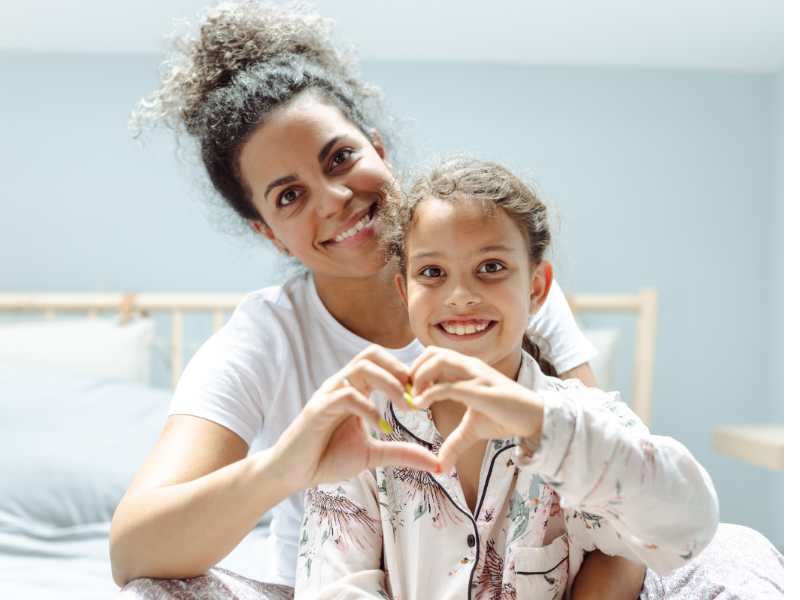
(341, 542)
(624, 491)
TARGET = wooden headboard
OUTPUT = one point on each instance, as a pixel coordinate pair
(176, 305)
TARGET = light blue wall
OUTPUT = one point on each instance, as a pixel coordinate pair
(661, 178)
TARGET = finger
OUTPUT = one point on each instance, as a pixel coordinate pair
(348, 401)
(438, 366)
(468, 393)
(367, 377)
(404, 454)
(459, 441)
(386, 360)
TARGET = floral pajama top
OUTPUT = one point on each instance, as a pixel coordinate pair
(599, 479)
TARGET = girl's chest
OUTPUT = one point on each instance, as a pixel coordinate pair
(510, 543)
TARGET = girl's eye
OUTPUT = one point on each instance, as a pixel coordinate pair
(287, 197)
(491, 266)
(341, 157)
(431, 272)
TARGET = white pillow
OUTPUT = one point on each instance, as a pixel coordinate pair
(605, 341)
(91, 347)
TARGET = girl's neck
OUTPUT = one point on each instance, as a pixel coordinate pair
(370, 307)
(448, 414)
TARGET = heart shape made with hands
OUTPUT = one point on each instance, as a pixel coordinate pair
(495, 406)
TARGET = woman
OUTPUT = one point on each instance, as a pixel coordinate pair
(292, 141)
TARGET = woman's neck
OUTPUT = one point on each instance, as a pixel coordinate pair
(370, 307)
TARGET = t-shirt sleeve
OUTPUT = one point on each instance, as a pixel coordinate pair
(228, 378)
(557, 334)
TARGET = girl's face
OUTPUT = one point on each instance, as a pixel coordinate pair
(469, 285)
(316, 180)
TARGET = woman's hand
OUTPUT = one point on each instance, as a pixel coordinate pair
(496, 406)
(328, 442)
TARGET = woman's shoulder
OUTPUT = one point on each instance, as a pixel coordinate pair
(291, 296)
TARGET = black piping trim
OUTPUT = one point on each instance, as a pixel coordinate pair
(542, 572)
(420, 440)
(461, 510)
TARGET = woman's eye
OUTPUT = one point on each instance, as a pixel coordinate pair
(491, 267)
(287, 197)
(431, 272)
(341, 157)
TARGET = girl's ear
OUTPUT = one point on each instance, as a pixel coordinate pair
(400, 286)
(265, 231)
(541, 280)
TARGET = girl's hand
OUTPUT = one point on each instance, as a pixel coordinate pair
(328, 442)
(496, 406)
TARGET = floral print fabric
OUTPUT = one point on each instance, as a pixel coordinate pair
(598, 479)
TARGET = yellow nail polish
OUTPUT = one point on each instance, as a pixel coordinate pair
(408, 396)
(385, 427)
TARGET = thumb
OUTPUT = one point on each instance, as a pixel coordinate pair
(403, 454)
(459, 441)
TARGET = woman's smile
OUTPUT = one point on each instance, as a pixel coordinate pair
(357, 229)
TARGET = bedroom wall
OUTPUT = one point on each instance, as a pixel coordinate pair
(670, 179)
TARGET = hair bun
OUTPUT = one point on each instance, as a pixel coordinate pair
(232, 37)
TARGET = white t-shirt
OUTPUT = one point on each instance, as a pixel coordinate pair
(256, 373)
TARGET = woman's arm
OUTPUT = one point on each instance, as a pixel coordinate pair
(194, 499)
(583, 373)
(603, 577)
(198, 494)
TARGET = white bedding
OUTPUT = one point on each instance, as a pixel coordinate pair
(69, 446)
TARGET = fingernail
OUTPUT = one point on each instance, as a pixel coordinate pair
(385, 427)
(409, 397)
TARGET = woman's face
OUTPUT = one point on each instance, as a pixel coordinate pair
(469, 284)
(316, 180)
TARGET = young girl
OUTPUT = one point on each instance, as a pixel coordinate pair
(534, 472)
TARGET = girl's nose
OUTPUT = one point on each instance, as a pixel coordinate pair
(334, 197)
(463, 297)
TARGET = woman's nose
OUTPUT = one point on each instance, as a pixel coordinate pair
(334, 197)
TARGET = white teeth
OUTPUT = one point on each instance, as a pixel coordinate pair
(467, 329)
(353, 230)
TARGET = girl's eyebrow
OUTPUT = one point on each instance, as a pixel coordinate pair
(484, 250)
(495, 248)
(280, 181)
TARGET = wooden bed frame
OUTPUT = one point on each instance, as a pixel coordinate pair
(126, 305)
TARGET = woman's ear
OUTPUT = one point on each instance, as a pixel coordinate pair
(377, 143)
(265, 231)
(400, 286)
(541, 280)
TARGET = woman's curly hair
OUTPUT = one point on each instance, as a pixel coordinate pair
(246, 60)
(487, 184)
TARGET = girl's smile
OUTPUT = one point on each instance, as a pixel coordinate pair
(469, 283)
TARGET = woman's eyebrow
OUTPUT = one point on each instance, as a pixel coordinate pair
(281, 181)
(327, 148)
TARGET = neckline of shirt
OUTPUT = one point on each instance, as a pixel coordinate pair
(406, 354)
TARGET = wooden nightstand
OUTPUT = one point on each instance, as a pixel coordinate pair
(760, 445)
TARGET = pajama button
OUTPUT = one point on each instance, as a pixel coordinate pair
(470, 540)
